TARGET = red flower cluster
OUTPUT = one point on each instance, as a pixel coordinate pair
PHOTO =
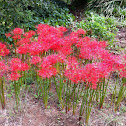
(62, 49)
(3, 50)
(16, 66)
(3, 68)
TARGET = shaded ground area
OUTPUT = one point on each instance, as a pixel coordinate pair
(32, 112)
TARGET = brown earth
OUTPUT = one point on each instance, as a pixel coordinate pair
(33, 113)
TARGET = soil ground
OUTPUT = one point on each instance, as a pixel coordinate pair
(33, 113)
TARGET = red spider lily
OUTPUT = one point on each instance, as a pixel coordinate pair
(41, 28)
(50, 41)
(17, 65)
(87, 53)
(3, 68)
(3, 50)
(66, 50)
(24, 66)
(23, 41)
(92, 73)
(44, 29)
(73, 38)
(81, 32)
(123, 73)
(92, 50)
(35, 48)
(14, 76)
(48, 72)
(35, 60)
(103, 44)
(65, 46)
(23, 49)
(8, 35)
(15, 60)
(63, 29)
(16, 37)
(74, 75)
(29, 34)
(17, 31)
(50, 60)
(72, 63)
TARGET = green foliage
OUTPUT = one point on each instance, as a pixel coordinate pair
(99, 26)
(28, 13)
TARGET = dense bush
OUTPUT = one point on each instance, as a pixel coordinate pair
(27, 13)
(99, 26)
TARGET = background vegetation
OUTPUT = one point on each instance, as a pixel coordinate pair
(28, 13)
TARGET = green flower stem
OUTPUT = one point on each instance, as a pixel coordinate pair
(59, 89)
(103, 92)
(74, 92)
(120, 96)
(82, 108)
(89, 106)
(16, 93)
(67, 97)
(97, 92)
(79, 95)
(2, 98)
(23, 57)
(114, 94)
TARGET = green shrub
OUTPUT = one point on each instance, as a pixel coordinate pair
(27, 13)
(99, 26)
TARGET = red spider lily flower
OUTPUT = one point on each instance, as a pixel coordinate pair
(18, 31)
(16, 37)
(35, 48)
(3, 50)
(92, 73)
(66, 50)
(35, 60)
(29, 34)
(41, 28)
(15, 64)
(74, 75)
(61, 58)
(24, 66)
(73, 38)
(48, 72)
(23, 49)
(8, 35)
(72, 63)
(23, 41)
(50, 60)
(62, 29)
(82, 41)
(103, 44)
(50, 41)
(125, 56)
(14, 76)
(3, 68)
(15, 60)
(123, 73)
(81, 32)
